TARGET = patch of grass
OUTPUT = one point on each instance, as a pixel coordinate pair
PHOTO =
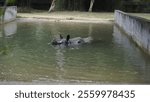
(143, 15)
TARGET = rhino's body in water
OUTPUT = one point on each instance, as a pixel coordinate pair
(71, 42)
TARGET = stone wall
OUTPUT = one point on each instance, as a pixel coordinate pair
(136, 27)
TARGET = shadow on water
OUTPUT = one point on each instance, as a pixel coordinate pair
(111, 58)
(133, 53)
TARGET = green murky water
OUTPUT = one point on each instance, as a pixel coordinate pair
(111, 58)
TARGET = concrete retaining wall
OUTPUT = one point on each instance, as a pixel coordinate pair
(137, 28)
(10, 14)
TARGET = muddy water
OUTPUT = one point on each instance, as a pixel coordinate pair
(111, 58)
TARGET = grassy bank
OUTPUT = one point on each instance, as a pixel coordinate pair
(68, 15)
(143, 15)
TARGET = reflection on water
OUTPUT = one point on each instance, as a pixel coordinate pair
(26, 56)
(133, 53)
(8, 29)
(60, 60)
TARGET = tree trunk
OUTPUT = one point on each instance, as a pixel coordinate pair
(52, 7)
(91, 5)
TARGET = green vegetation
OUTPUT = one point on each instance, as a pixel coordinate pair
(1, 11)
(84, 5)
(10, 1)
(136, 5)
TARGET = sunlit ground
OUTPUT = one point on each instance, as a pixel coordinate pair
(76, 15)
(70, 15)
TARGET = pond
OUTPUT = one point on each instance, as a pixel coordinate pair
(27, 57)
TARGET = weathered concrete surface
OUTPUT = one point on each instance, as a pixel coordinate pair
(10, 14)
(137, 28)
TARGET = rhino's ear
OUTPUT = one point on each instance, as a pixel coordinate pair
(61, 37)
(54, 42)
(68, 37)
